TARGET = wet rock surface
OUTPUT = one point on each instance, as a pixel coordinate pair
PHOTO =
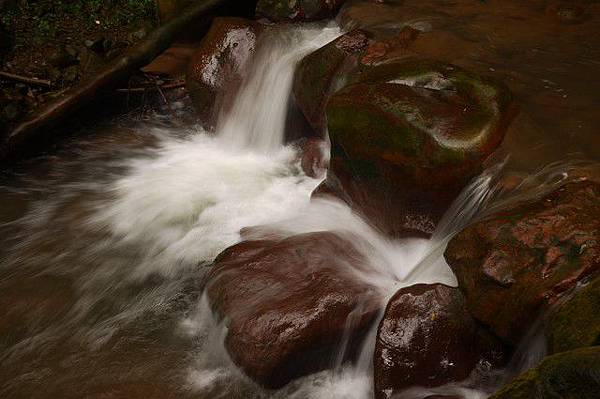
(289, 304)
(576, 322)
(427, 338)
(409, 137)
(571, 374)
(518, 261)
(297, 10)
(217, 68)
(537, 57)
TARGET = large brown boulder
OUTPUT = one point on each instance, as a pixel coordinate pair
(569, 375)
(427, 338)
(288, 304)
(297, 10)
(218, 67)
(408, 136)
(516, 262)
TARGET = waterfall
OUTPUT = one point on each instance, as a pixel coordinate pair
(257, 119)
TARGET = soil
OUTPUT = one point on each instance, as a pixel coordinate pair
(62, 41)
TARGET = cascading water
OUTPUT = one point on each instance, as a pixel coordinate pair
(122, 231)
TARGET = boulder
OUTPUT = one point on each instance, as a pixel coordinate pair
(290, 304)
(324, 71)
(572, 375)
(218, 66)
(427, 338)
(408, 136)
(314, 156)
(297, 10)
(341, 62)
(576, 322)
(518, 261)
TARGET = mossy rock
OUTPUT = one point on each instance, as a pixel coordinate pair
(427, 119)
(567, 375)
(297, 10)
(518, 262)
(576, 323)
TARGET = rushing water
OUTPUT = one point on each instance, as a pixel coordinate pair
(104, 269)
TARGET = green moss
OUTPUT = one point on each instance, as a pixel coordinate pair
(576, 323)
(568, 375)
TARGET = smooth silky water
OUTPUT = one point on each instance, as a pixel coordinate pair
(105, 247)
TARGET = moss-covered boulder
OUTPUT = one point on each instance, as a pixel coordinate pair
(408, 135)
(340, 63)
(576, 323)
(297, 10)
(324, 71)
(519, 261)
(219, 65)
(568, 375)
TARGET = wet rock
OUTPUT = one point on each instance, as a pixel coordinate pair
(571, 374)
(576, 323)
(408, 136)
(289, 303)
(324, 71)
(218, 66)
(517, 261)
(297, 10)
(314, 158)
(427, 338)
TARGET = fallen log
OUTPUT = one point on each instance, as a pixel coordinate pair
(114, 73)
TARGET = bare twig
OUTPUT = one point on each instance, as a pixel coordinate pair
(25, 79)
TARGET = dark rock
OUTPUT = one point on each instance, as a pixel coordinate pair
(576, 323)
(297, 10)
(573, 375)
(289, 303)
(322, 72)
(408, 136)
(518, 261)
(314, 156)
(427, 338)
(63, 57)
(217, 68)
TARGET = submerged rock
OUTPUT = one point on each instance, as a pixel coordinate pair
(573, 374)
(427, 338)
(522, 259)
(297, 10)
(290, 304)
(576, 323)
(217, 68)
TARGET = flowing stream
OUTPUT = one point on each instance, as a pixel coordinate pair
(112, 241)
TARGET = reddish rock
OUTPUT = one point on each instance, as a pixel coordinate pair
(409, 135)
(217, 68)
(427, 338)
(520, 260)
(321, 72)
(314, 156)
(288, 303)
(297, 10)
